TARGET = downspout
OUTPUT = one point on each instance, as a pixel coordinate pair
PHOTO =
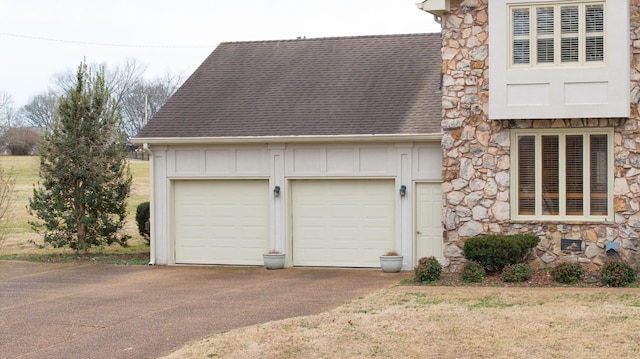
(152, 210)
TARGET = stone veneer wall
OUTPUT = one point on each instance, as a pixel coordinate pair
(477, 161)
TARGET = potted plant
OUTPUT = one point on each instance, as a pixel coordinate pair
(274, 259)
(391, 262)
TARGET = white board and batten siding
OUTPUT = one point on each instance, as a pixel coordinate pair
(340, 161)
(339, 199)
(240, 161)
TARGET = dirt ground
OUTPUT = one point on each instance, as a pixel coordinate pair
(539, 278)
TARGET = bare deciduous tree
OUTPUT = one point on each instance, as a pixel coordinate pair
(40, 111)
(20, 141)
(123, 78)
(119, 79)
(7, 182)
(149, 95)
(129, 90)
(7, 111)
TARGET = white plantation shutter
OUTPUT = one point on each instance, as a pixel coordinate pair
(594, 29)
(570, 43)
(521, 33)
(544, 31)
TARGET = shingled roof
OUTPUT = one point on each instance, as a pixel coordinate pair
(367, 85)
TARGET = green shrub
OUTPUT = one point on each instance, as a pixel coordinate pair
(473, 272)
(617, 274)
(143, 215)
(567, 273)
(427, 270)
(518, 272)
(495, 252)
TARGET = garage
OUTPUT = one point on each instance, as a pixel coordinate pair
(345, 223)
(221, 221)
(245, 157)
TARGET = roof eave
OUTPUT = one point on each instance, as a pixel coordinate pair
(286, 139)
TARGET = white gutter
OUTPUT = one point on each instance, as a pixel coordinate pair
(152, 211)
(288, 139)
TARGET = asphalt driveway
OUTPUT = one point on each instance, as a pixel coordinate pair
(108, 311)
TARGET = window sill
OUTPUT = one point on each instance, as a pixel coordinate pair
(562, 221)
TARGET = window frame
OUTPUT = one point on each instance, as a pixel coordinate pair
(557, 37)
(563, 194)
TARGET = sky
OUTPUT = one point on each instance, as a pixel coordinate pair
(39, 38)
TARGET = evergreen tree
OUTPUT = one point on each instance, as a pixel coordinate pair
(81, 201)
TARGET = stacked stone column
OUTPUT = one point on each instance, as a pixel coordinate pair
(476, 154)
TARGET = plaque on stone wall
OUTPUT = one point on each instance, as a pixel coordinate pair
(574, 245)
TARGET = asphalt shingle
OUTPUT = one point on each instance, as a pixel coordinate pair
(382, 85)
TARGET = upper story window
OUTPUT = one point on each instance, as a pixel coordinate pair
(557, 34)
(555, 59)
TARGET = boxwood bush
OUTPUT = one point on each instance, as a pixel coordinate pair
(617, 274)
(567, 273)
(516, 273)
(495, 252)
(427, 270)
(473, 272)
(143, 214)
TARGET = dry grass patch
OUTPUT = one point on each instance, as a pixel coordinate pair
(448, 322)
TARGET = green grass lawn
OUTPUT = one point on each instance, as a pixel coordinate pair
(20, 242)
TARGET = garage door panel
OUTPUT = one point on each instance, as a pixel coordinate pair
(342, 222)
(221, 222)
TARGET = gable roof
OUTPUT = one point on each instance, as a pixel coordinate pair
(368, 85)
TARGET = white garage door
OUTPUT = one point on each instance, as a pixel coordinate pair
(342, 223)
(221, 222)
